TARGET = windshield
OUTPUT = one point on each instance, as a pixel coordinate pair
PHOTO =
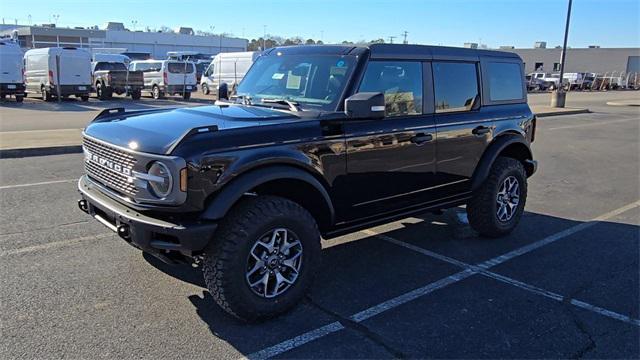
(312, 81)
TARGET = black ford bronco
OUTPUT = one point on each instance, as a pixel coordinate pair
(317, 141)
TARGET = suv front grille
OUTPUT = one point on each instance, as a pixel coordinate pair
(108, 165)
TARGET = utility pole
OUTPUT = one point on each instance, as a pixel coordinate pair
(133, 24)
(55, 18)
(558, 96)
(391, 39)
(405, 33)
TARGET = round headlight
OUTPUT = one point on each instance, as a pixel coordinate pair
(162, 183)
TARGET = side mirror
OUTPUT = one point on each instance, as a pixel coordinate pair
(365, 105)
(223, 91)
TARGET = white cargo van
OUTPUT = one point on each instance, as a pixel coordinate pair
(42, 76)
(11, 70)
(227, 68)
(167, 77)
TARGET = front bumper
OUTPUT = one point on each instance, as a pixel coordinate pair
(147, 233)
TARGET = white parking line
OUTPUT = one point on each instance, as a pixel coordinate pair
(508, 280)
(37, 184)
(295, 342)
(54, 244)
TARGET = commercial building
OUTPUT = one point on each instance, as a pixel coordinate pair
(114, 36)
(593, 59)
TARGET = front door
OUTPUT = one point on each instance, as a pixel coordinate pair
(391, 161)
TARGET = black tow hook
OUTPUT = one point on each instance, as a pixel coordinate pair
(123, 232)
(83, 205)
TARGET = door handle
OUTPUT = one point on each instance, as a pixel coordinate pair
(480, 130)
(421, 138)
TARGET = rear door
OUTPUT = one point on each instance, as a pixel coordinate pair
(179, 73)
(464, 129)
(75, 67)
(10, 64)
(391, 161)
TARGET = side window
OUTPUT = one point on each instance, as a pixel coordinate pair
(455, 86)
(505, 81)
(399, 81)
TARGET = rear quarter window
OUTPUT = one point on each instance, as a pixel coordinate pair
(505, 81)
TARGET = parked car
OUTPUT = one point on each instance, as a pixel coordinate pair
(320, 141)
(163, 77)
(228, 68)
(111, 75)
(73, 78)
(551, 81)
(137, 55)
(577, 80)
(535, 84)
(11, 70)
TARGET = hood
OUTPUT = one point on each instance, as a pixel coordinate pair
(157, 131)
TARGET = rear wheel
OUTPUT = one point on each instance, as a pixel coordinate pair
(157, 94)
(497, 206)
(186, 95)
(19, 98)
(136, 95)
(46, 95)
(84, 97)
(263, 258)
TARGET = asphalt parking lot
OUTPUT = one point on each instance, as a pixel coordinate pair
(565, 284)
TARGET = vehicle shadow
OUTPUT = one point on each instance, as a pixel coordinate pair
(360, 271)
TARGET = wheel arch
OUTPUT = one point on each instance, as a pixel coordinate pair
(511, 145)
(286, 181)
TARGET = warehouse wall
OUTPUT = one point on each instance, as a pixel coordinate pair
(580, 60)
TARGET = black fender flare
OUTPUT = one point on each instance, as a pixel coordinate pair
(491, 153)
(236, 188)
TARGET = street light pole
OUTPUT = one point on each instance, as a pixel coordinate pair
(558, 97)
(264, 37)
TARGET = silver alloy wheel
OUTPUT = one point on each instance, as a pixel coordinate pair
(274, 263)
(508, 199)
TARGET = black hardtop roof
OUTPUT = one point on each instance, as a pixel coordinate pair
(393, 51)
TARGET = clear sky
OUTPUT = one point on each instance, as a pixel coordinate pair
(608, 23)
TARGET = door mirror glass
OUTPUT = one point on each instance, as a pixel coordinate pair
(365, 105)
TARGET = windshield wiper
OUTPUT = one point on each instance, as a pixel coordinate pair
(293, 106)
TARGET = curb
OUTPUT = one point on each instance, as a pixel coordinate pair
(567, 112)
(40, 151)
(616, 103)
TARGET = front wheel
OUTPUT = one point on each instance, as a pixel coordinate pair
(497, 206)
(205, 89)
(263, 258)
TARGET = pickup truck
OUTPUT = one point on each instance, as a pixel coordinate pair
(114, 77)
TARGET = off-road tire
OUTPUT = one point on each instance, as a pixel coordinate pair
(482, 208)
(225, 259)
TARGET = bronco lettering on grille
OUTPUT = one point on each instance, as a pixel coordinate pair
(110, 164)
